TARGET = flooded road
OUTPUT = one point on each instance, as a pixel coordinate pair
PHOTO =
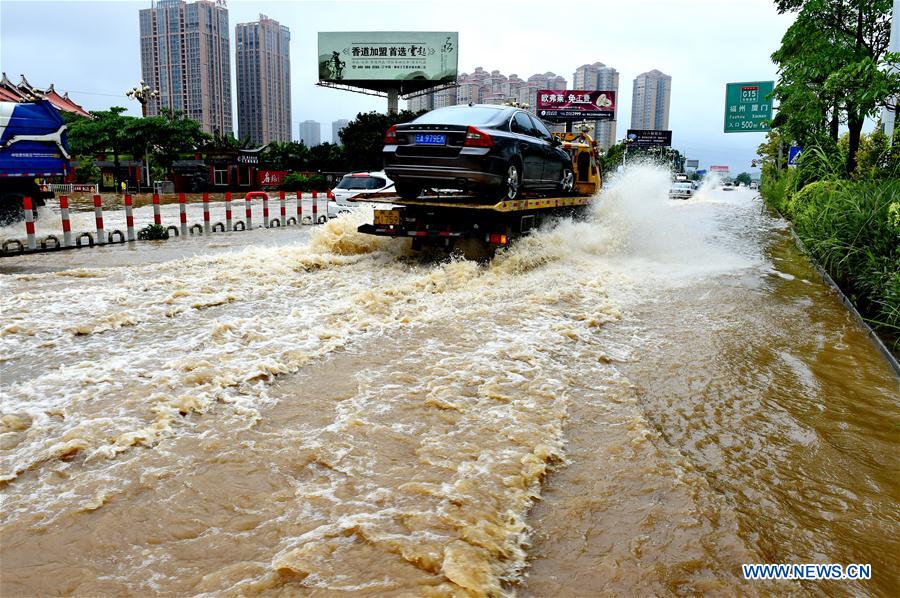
(634, 404)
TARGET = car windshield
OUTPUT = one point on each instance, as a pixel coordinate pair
(352, 181)
(682, 186)
(460, 115)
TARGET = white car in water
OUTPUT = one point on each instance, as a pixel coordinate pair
(681, 191)
(359, 184)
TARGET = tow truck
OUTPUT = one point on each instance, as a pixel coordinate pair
(475, 227)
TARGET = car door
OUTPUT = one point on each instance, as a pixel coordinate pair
(551, 165)
(529, 147)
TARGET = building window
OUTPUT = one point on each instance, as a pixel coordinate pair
(220, 177)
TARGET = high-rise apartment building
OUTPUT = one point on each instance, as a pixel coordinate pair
(483, 87)
(185, 58)
(263, 63)
(650, 101)
(598, 76)
(310, 133)
(336, 127)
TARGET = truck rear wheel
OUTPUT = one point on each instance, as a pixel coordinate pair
(11, 210)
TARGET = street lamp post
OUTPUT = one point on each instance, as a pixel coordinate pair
(143, 94)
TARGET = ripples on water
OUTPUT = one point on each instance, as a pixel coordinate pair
(337, 415)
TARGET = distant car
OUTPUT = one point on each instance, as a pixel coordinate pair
(681, 191)
(498, 151)
(727, 187)
(360, 184)
(754, 185)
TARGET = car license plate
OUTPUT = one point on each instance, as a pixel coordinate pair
(430, 139)
(386, 217)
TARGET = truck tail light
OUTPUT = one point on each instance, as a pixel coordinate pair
(390, 136)
(477, 138)
(497, 239)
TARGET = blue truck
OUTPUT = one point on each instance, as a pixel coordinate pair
(33, 146)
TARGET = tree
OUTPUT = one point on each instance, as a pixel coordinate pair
(166, 137)
(104, 133)
(833, 69)
(743, 178)
(327, 157)
(291, 156)
(363, 138)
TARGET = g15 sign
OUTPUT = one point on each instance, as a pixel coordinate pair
(748, 106)
(555, 104)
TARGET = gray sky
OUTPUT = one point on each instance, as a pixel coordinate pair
(91, 49)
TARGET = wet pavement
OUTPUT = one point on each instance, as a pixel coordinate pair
(634, 404)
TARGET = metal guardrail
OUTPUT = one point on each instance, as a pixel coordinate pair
(14, 247)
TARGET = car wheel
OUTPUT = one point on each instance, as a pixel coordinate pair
(567, 182)
(512, 183)
(408, 190)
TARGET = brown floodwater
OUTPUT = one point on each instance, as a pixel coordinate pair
(633, 404)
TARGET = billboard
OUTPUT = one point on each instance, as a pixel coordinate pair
(692, 164)
(562, 105)
(748, 106)
(719, 169)
(644, 138)
(381, 60)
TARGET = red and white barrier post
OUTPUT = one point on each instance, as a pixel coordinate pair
(248, 211)
(129, 217)
(206, 213)
(182, 212)
(282, 209)
(228, 211)
(98, 217)
(299, 208)
(29, 222)
(66, 223)
(156, 217)
(315, 207)
(265, 199)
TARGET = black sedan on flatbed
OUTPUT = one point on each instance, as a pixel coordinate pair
(492, 151)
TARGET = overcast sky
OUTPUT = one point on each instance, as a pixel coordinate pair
(91, 50)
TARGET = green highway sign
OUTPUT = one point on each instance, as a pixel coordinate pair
(748, 106)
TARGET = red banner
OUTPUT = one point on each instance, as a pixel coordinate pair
(270, 178)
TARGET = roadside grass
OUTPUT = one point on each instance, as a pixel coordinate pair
(852, 228)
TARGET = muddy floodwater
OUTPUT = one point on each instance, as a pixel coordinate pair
(634, 404)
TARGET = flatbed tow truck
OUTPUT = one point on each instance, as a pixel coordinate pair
(469, 223)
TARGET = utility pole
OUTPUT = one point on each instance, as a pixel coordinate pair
(143, 94)
(889, 114)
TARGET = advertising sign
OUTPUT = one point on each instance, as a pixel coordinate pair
(794, 154)
(692, 164)
(270, 178)
(644, 138)
(562, 105)
(719, 169)
(748, 106)
(381, 60)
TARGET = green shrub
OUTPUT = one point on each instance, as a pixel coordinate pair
(153, 232)
(302, 182)
(852, 230)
